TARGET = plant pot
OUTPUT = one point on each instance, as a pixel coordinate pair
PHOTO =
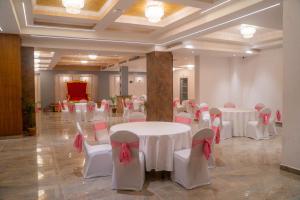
(32, 131)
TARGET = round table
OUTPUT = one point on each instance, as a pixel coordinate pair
(158, 141)
(239, 118)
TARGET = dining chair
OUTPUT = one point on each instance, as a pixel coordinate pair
(191, 165)
(101, 133)
(226, 127)
(229, 105)
(184, 118)
(128, 162)
(259, 129)
(90, 111)
(202, 115)
(98, 158)
(136, 117)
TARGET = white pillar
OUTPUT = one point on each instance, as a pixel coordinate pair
(291, 84)
(197, 78)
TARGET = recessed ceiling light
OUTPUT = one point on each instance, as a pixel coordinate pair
(1, 30)
(249, 52)
(84, 62)
(36, 54)
(93, 57)
(189, 46)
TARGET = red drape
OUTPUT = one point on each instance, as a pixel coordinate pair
(77, 91)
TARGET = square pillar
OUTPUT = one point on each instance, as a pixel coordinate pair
(123, 81)
(159, 86)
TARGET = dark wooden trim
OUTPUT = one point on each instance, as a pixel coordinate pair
(290, 169)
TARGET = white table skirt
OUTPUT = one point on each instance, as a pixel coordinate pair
(158, 141)
(239, 119)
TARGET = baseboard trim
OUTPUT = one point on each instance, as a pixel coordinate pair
(290, 169)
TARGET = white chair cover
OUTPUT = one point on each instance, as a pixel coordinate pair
(101, 131)
(184, 118)
(226, 126)
(131, 175)
(260, 129)
(98, 158)
(204, 116)
(136, 117)
(90, 111)
(190, 165)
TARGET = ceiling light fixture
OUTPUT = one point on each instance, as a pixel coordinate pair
(247, 31)
(93, 57)
(154, 11)
(73, 6)
(84, 62)
(249, 52)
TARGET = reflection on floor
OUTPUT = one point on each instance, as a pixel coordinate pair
(47, 167)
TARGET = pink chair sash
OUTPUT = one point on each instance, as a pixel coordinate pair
(78, 141)
(183, 120)
(90, 107)
(200, 111)
(217, 130)
(129, 105)
(278, 116)
(98, 127)
(137, 120)
(214, 116)
(125, 153)
(192, 104)
(175, 102)
(71, 108)
(206, 146)
(105, 105)
(265, 118)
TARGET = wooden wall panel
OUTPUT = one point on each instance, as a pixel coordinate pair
(159, 86)
(10, 85)
(27, 74)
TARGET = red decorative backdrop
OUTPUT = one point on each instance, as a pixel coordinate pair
(77, 91)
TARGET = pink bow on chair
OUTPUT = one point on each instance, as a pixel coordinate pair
(125, 153)
(278, 116)
(91, 107)
(216, 130)
(206, 146)
(265, 118)
(78, 141)
(71, 108)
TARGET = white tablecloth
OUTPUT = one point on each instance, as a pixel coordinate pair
(158, 141)
(239, 119)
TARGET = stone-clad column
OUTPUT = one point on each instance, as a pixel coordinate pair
(124, 81)
(159, 86)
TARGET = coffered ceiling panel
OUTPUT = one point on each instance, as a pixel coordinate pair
(90, 5)
(138, 8)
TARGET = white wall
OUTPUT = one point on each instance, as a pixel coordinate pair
(257, 79)
(291, 83)
(183, 73)
(214, 80)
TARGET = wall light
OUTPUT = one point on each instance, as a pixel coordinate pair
(37, 60)
(36, 54)
(1, 30)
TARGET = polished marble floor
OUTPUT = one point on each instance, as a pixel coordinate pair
(47, 167)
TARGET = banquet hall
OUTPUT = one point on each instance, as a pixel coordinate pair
(149, 99)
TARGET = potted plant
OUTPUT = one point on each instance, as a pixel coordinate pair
(29, 114)
(113, 101)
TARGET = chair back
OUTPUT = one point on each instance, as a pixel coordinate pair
(125, 149)
(229, 105)
(259, 106)
(201, 143)
(202, 112)
(71, 107)
(137, 117)
(104, 105)
(264, 117)
(176, 102)
(184, 118)
(90, 106)
(216, 123)
(79, 141)
(100, 127)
